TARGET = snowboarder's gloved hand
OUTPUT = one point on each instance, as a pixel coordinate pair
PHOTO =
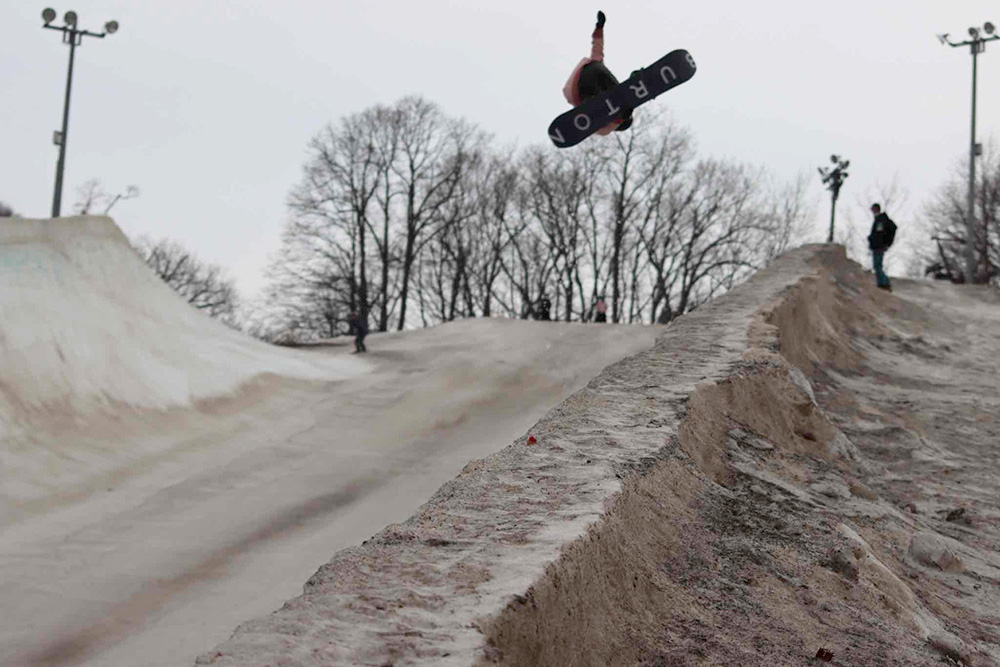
(600, 19)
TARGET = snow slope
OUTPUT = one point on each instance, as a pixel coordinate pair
(86, 329)
(141, 520)
(86, 324)
(806, 464)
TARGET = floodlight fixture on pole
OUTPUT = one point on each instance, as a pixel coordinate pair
(977, 45)
(833, 178)
(74, 37)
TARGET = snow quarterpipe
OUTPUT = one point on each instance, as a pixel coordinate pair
(86, 329)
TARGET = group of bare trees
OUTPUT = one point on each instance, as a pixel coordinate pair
(205, 286)
(945, 222)
(412, 217)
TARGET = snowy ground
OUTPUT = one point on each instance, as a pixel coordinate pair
(140, 522)
(808, 464)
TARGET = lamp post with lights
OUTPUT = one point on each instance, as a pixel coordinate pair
(833, 178)
(72, 36)
(977, 45)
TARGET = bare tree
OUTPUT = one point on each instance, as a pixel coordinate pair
(555, 191)
(642, 165)
(377, 188)
(91, 195)
(332, 204)
(944, 221)
(786, 218)
(721, 217)
(527, 264)
(204, 286)
(433, 150)
(450, 255)
(496, 188)
(88, 196)
(304, 298)
(386, 136)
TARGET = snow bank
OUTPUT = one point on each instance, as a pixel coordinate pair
(86, 328)
(705, 502)
(84, 321)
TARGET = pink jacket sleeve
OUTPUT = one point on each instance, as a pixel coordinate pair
(570, 91)
(597, 44)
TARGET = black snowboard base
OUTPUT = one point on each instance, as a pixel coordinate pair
(670, 71)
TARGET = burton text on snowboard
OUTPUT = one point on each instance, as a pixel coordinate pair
(572, 127)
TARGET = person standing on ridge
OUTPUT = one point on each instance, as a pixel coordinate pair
(543, 310)
(359, 327)
(601, 310)
(879, 240)
(591, 77)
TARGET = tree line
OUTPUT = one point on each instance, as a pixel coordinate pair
(945, 223)
(413, 218)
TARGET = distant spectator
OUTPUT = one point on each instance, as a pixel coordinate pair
(882, 235)
(601, 310)
(543, 311)
(359, 327)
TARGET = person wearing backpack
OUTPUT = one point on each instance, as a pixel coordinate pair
(882, 235)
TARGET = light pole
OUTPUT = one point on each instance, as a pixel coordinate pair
(833, 178)
(977, 45)
(72, 36)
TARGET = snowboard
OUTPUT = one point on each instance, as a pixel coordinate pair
(670, 71)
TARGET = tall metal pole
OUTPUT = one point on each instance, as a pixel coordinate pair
(970, 215)
(976, 45)
(833, 215)
(60, 165)
(73, 36)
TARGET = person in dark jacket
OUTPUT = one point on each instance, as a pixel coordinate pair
(359, 327)
(591, 77)
(543, 308)
(879, 240)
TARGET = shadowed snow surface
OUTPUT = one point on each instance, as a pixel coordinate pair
(163, 478)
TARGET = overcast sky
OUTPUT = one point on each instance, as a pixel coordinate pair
(208, 106)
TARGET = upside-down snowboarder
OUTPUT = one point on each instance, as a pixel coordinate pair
(591, 77)
(601, 104)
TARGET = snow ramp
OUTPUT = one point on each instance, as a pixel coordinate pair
(88, 331)
(795, 470)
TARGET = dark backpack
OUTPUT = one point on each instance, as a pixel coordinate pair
(890, 231)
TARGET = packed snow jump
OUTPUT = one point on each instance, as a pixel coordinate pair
(602, 104)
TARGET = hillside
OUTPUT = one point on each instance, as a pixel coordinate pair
(805, 464)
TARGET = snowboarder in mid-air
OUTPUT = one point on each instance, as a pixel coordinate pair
(601, 104)
(591, 77)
